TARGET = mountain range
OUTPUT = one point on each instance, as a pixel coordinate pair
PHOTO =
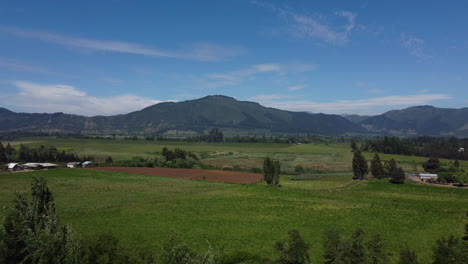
(199, 115)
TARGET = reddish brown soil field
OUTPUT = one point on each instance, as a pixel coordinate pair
(209, 175)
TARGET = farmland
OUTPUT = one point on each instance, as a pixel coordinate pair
(142, 210)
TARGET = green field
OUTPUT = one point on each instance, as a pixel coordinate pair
(316, 157)
(143, 210)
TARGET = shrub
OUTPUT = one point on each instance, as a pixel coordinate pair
(294, 250)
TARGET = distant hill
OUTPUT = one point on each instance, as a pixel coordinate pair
(420, 120)
(355, 118)
(193, 115)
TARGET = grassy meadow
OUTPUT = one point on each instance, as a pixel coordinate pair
(143, 210)
(316, 157)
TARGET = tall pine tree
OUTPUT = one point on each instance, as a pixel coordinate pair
(360, 167)
(376, 167)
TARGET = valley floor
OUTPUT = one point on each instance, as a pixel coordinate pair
(142, 210)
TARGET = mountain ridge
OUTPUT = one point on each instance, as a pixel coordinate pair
(192, 115)
(227, 113)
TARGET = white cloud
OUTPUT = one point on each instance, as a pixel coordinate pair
(200, 51)
(296, 88)
(363, 106)
(415, 46)
(304, 26)
(68, 99)
(217, 80)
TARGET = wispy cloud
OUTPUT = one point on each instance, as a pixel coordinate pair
(364, 106)
(304, 26)
(68, 99)
(200, 51)
(21, 66)
(415, 46)
(296, 88)
(375, 91)
(217, 80)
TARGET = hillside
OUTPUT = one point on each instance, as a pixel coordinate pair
(420, 120)
(193, 115)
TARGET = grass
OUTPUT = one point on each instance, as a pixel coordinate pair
(143, 210)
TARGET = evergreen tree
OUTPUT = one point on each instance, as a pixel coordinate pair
(353, 145)
(408, 256)
(376, 167)
(376, 248)
(31, 232)
(357, 251)
(271, 171)
(456, 164)
(294, 250)
(3, 155)
(360, 167)
(432, 165)
(215, 135)
(398, 176)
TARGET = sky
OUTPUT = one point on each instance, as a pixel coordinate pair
(335, 57)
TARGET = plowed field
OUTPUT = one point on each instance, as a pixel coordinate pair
(208, 175)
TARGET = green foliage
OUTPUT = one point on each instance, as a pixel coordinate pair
(340, 250)
(376, 167)
(241, 257)
(408, 256)
(271, 171)
(360, 167)
(353, 145)
(451, 250)
(31, 233)
(299, 169)
(432, 165)
(456, 164)
(215, 135)
(397, 176)
(294, 250)
(39, 154)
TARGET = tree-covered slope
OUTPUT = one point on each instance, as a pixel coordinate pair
(421, 120)
(196, 115)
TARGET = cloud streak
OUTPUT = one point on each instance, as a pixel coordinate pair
(363, 106)
(216, 80)
(296, 88)
(200, 51)
(415, 46)
(303, 26)
(65, 98)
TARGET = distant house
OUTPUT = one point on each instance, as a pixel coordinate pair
(427, 176)
(73, 164)
(13, 167)
(39, 165)
(87, 164)
(461, 150)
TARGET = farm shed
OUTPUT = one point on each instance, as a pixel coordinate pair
(87, 164)
(73, 164)
(13, 166)
(39, 165)
(427, 176)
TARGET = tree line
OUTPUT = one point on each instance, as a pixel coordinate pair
(38, 154)
(447, 148)
(31, 233)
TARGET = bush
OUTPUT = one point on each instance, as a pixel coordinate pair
(294, 250)
(299, 169)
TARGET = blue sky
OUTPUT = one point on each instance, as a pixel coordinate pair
(112, 57)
